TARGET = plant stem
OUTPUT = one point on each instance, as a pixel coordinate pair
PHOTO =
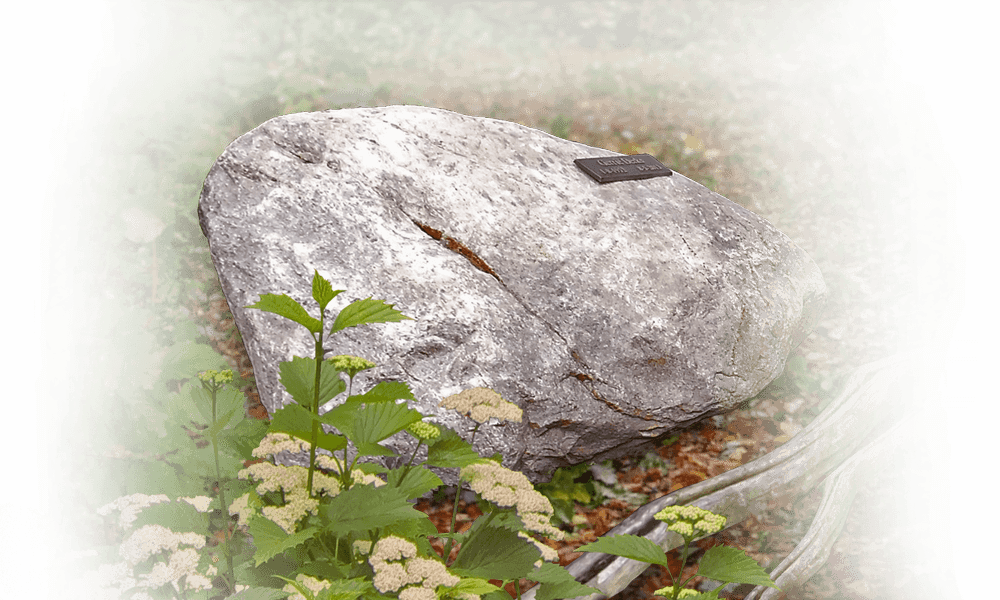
(231, 579)
(454, 517)
(315, 409)
(454, 512)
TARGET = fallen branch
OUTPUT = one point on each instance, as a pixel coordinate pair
(838, 442)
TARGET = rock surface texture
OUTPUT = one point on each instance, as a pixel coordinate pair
(611, 314)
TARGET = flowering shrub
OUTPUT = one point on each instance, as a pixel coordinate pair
(337, 529)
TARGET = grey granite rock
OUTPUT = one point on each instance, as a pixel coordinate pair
(611, 314)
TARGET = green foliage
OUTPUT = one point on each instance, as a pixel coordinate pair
(564, 491)
(728, 565)
(359, 508)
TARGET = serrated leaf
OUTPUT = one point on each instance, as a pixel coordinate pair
(271, 540)
(243, 438)
(472, 585)
(322, 291)
(194, 462)
(364, 311)
(186, 359)
(365, 507)
(300, 587)
(344, 416)
(417, 529)
(630, 546)
(732, 565)
(346, 589)
(299, 375)
(558, 583)
(177, 516)
(297, 421)
(286, 306)
(376, 422)
(259, 593)
(385, 391)
(451, 451)
(221, 422)
(496, 553)
(416, 483)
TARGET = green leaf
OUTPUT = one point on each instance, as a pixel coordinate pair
(376, 422)
(176, 516)
(271, 540)
(198, 462)
(299, 376)
(149, 475)
(299, 587)
(364, 507)
(326, 568)
(495, 553)
(346, 589)
(241, 440)
(322, 291)
(297, 421)
(471, 585)
(558, 583)
(286, 306)
(451, 451)
(373, 417)
(186, 359)
(260, 593)
(386, 391)
(364, 311)
(630, 546)
(732, 565)
(417, 530)
(416, 483)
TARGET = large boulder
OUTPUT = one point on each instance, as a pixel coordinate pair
(612, 314)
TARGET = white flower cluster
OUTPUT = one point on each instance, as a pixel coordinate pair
(200, 503)
(690, 521)
(151, 540)
(292, 481)
(507, 488)
(183, 563)
(274, 443)
(396, 564)
(180, 565)
(131, 506)
(314, 585)
(482, 403)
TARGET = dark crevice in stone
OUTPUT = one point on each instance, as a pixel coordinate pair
(459, 248)
(456, 246)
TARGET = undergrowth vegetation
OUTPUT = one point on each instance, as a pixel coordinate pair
(782, 108)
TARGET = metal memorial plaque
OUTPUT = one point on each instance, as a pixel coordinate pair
(606, 169)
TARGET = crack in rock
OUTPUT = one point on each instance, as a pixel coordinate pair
(460, 248)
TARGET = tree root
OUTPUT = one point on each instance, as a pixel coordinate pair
(842, 444)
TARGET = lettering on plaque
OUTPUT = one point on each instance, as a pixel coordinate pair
(607, 169)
